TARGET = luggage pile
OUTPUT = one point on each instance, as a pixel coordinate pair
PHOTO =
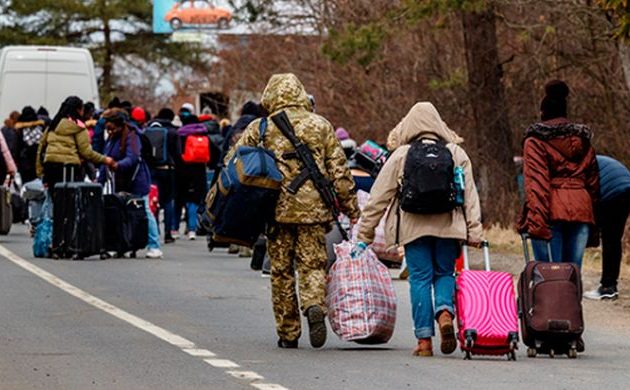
(81, 212)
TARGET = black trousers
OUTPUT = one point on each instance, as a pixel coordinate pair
(613, 217)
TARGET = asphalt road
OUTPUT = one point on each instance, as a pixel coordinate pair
(194, 320)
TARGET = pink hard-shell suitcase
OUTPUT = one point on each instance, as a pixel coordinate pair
(485, 304)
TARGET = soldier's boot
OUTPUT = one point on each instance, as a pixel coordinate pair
(287, 344)
(316, 325)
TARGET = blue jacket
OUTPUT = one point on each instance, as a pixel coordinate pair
(614, 179)
(133, 175)
(98, 139)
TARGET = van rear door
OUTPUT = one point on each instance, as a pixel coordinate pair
(70, 72)
(23, 79)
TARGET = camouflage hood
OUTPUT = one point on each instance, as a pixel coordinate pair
(284, 91)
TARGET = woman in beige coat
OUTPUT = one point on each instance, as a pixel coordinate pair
(432, 241)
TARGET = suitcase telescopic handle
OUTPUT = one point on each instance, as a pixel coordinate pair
(485, 247)
(524, 238)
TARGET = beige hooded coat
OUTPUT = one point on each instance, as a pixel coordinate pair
(463, 223)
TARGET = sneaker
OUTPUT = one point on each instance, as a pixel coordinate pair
(287, 344)
(447, 333)
(192, 236)
(424, 348)
(316, 325)
(175, 234)
(601, 293)
(154, 254)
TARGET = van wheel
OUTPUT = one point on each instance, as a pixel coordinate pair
(176, 23)
(223, 23)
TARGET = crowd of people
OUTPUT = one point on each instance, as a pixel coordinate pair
(570, 194)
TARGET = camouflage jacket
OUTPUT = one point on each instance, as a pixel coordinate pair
(286, 92)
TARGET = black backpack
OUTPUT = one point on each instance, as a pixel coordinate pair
(428, 185)
(158, 138)
(146, 151)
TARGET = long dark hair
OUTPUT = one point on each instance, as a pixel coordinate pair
(69, 109)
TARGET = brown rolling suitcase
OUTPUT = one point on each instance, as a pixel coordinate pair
(550, 306)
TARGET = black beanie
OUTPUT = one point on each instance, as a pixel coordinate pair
(554, 104)
(28, 115)
(42, 111)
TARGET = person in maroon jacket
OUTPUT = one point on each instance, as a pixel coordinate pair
(561, 181)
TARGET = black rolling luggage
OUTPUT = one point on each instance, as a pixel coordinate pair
(127, 224)
(77, 220)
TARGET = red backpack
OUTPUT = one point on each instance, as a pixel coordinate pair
(197, 149)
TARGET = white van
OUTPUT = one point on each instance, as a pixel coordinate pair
(44, 76)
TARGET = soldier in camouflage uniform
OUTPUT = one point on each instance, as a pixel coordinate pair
(297, 241)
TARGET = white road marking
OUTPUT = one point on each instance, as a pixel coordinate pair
(247, 375)
(268, 386)
(199, 352)
(221, 363)
(183, 344)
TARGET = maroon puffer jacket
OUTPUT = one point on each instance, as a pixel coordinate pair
(561, 177)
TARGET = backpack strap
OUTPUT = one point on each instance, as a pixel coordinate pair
(262, 130)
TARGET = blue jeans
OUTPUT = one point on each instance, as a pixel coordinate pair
(154, 233)
(568, 242)
(191, 217)
(431, 265)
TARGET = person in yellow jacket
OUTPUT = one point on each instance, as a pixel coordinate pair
(431, 241)
(64, 146)
(302, 219)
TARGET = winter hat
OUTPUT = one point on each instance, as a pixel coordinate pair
(42, 111)
(252, 108)
(114, 103)
(138, 115)
(28, 115)
(206, 117)
(342, 134)
(554, 104)
(188, 107)
(166, 114)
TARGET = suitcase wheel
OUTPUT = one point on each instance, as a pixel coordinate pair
(132, 255)
(552, 353)
(512, 355)
(531, 352)
(572, 354)
(468, 355)
(77, 257)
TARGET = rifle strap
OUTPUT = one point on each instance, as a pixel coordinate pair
(299, 181)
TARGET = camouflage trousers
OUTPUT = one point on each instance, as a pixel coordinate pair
(300, 248)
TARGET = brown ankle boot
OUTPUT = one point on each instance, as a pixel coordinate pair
(447, 332)
(424, 348)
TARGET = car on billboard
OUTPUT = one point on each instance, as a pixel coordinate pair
(197, 12)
